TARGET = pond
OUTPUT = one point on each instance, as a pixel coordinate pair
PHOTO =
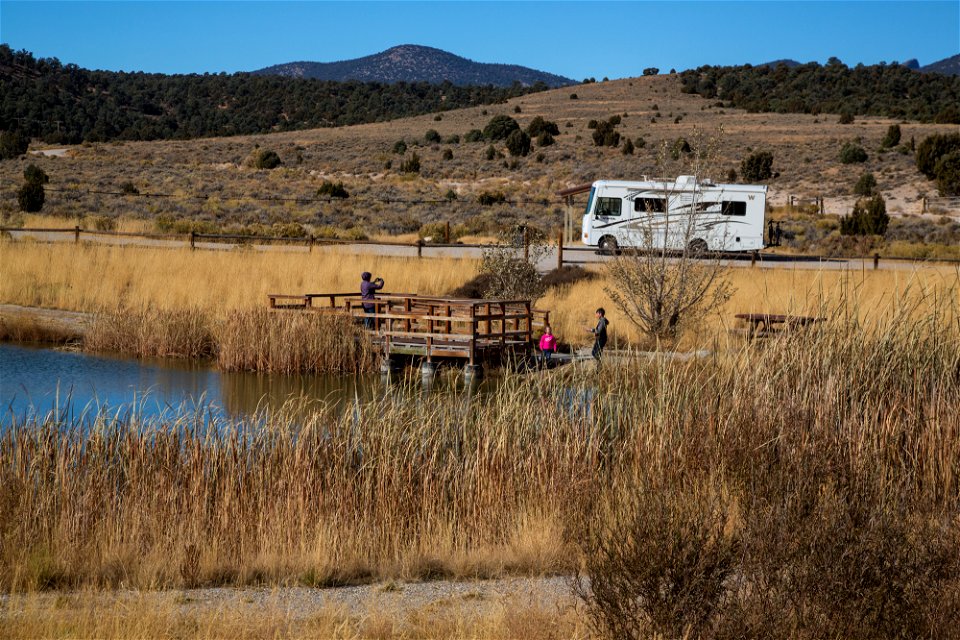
(35, 381)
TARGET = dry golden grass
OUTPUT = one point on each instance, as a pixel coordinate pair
(103, 278)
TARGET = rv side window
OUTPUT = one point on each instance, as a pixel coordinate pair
(734, 208)
(608, 206)
(649, 205)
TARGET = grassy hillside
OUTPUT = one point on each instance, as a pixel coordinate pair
(209, 181)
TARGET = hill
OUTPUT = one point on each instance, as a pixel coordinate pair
(414, 63)
(208, 183)
(948, 66)
(66, 104)
(877, 90)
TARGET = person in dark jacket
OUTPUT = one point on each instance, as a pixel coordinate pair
(600, 333)
(368, 290)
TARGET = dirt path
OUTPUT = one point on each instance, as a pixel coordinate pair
(58, 321)
(298, 603)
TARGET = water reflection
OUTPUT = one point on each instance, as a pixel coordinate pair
(35, 381)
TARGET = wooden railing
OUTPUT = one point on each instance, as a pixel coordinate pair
(432, 326)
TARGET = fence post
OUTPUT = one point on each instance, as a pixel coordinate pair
(923, 204)
(753, 259)
(419, 247)
(560, 250)
(76, 234)
(310, 244)
(446, 232)
(876, 261)
(193, 240)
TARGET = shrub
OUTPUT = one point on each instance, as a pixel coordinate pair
(846, 118)
(614, 120)
(490, 153)
(487, 198)
(757, 166)
(30, 197)
(573, 96)
(103, 223)
(432, 135)
(447, 154)
(400, 147)
(869, 217)
(13, 144)
(500, 127)
(411, 165)
(129, 189)
(35, 175)
(538, 125)
(932, 148)
(866, 185)
(450, 194)
(852, 153)
(892, 138)
(266, 159)
(732, 175)
(605, 135)
(680, 146)
(332, 190)
(592, 124)
(651, 71)
(518, 143)
(948, 174)
(639, 142)
(545, 139)
(454, 139)
(517, 109)
(474, 135)
(628, 148)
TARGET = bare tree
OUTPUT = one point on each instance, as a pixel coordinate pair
(671, 279)
(511, 265)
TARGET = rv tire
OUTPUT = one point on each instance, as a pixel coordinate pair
(698, 247)
(608, 245)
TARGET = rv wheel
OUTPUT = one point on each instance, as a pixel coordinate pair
(698, 247)
(608, 245)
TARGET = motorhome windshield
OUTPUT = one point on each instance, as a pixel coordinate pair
(593, 190)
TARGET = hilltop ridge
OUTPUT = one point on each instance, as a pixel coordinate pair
(416, 63)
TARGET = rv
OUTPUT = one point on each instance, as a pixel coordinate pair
(651, 214)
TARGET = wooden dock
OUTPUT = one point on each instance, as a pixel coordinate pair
(472, 330)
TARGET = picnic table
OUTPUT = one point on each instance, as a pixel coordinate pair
(764, 324)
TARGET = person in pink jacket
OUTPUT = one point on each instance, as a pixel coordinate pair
(548, 346)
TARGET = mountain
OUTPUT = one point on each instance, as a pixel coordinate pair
(413, 63)
(787, 62)
(948, 66)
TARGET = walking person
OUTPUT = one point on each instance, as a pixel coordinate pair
(548, 346)
(600, 334)
(368, 290)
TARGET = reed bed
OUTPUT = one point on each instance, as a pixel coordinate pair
(833, 458)
(258, 340)
(241, 340)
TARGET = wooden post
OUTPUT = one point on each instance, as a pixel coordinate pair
(193, 240)
(76, 234)
(310, 244)
(923, 204)
(820, 198)
(753, 259)
(560, 250)
(419, 247)
(876, 261)
(446, 232)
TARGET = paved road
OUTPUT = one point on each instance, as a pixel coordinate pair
(571, 255)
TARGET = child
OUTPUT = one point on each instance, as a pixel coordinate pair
(548, 346)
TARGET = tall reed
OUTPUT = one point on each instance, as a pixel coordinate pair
(453, 486)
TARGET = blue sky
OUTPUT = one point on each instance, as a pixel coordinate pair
(575, 39)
